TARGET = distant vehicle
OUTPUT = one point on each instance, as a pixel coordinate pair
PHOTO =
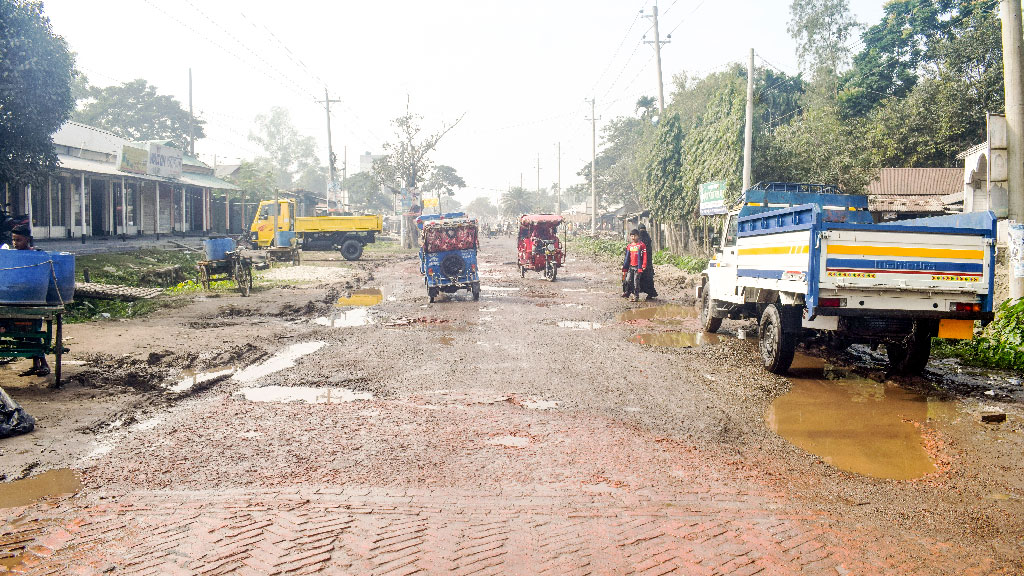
(805, 257)
(448, 248)
(539, 247)
(347, 234)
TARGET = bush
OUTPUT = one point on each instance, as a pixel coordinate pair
(1000, 345)
(605, 248)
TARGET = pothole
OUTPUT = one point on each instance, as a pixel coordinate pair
(306, 394)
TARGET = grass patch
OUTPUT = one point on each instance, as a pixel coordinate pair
(1000, 345)
(88, 309)
(615, 249)
(148, 267)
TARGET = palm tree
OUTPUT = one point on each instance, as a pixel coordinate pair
(646, 105)
(516, 202)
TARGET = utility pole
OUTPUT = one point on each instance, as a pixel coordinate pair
(593, 164)
(748, 131)
(657, 58)
(558, 194)
(344, 178)
(191, 121)
(538, 173)
(332, 187)
(1013, 59)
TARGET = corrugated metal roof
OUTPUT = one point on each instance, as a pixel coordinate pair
(96, 167)
(917, 182)
(206, 181)
(75, 135)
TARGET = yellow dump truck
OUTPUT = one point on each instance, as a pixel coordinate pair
(348, 234)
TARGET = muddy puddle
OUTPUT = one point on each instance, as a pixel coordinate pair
(352, 318)
(660, 314)
(675, 339)
(855, 424)
(280, 361)
(190, 379)
(305, 394)
(367, 297)
(48, 484)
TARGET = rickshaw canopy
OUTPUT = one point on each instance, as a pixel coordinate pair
(540, 220)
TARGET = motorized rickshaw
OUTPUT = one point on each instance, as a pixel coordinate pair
(540, 250)
(448, 245)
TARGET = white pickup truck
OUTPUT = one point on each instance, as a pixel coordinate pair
(802, 257)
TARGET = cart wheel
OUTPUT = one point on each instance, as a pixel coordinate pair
(243, 277)
(475, 288)
(204, 277)
(58, 351)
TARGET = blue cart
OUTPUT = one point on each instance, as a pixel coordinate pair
(448, 245)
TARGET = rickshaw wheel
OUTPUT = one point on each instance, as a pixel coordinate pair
(243, 277)
(432, 293)
(204, 277)
(476, 290)
(551, 272)
(522, 271)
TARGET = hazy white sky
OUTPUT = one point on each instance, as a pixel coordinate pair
(519, 71)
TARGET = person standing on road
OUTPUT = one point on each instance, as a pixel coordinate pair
(647, 279)
(634, 262)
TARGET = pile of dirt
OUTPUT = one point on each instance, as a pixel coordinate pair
(312, 274)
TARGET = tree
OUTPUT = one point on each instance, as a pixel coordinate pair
(364, 193)
(36, 72)
(516, 202)
(407, 163)
(821, 29)
(290, 155)
(481, 207)
(443, 180)
(136, 112)
(662, 171)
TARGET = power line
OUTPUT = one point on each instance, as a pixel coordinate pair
(695, 8)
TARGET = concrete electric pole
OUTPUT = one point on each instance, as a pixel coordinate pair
(1013, 59)
(332, 186)
(748, 131)
(558, 193)
(657, 58)
(593, 164)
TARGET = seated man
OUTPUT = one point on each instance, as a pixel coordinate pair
(21, 237)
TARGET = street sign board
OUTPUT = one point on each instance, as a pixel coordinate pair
(712, 198)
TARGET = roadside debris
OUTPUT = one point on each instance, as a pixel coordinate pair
(13, 418)
(993, 417)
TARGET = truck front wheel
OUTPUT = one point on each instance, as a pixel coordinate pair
(708, 322)
(351, 250)
(777, 340)
(911, 355)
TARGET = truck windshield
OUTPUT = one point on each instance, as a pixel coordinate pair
(264, 213)
(730, 230)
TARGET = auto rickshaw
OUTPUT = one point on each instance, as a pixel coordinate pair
(448, 245)
(540, 250)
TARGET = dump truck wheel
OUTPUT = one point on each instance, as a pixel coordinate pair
(351, 250)
(911, 355)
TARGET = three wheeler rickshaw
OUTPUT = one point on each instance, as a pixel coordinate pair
(448, 244)
(224, 261)
(540, 250)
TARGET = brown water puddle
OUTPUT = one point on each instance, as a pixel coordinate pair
(675, 339)
(49, 483)
(662, 314)
(854, 423)
(367, 297)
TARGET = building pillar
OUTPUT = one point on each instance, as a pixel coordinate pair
(81, 205)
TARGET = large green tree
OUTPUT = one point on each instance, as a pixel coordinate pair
(822, 30)
(516, 202)
(36, 71)
(135, 111)
(481, 207)
(290, 155)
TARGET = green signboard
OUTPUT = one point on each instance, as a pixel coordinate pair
(712, 198)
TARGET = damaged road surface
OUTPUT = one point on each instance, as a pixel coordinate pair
(335, 422)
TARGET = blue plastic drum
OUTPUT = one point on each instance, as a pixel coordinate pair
(284, 238)
(24, 276)
(62, 283)
(217, 248)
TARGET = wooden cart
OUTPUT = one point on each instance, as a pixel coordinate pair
(234, 266)
(30, 331)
